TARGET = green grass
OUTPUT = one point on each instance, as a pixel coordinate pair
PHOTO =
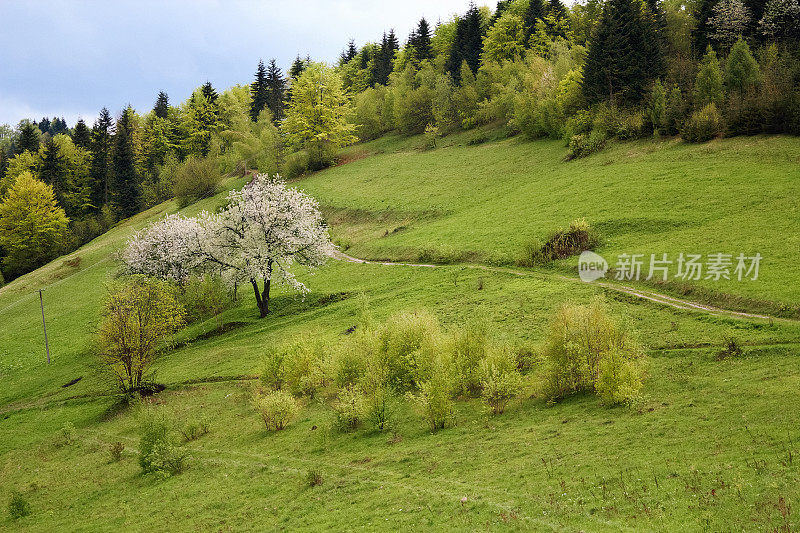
(486, 202)
(711, 446)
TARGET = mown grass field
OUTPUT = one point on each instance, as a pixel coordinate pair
(713, 444)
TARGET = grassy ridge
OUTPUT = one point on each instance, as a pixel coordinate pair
(712, 445)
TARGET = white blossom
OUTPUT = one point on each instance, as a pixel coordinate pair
(264, 230)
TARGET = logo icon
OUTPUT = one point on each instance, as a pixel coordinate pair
(591, 266)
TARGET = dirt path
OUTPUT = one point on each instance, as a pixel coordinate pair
(643, 294)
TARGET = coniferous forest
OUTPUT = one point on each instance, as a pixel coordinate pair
(588, 73)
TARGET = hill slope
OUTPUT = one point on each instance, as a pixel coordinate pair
(711, 446)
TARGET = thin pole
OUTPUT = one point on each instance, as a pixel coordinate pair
(44, 327)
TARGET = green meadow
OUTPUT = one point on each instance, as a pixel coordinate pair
(711, 445)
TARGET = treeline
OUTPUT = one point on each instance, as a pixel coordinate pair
(585, 74)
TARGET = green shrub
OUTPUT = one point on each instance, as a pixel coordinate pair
(346, 364)
(587, 351)
(296, 164)
(277, 409)
(500, 380)
(115, 451)
(18, 506)
(313, 478)
(377, 401)
(580, 123)
(195, 179)
(630, 125)
(303, 365)
(619, 377)
(195, 429)
(158, 452)
(703, 125)
(469, 348)
(204, 297)
(273, 370)
(434, 400)
(349, 408)
(67, 435)
(730, 348)
(400, 344)
(579, 236)
(585, 144)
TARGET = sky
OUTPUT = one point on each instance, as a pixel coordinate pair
(71, 58)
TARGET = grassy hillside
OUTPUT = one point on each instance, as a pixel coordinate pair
(711, 446)
(486, 202)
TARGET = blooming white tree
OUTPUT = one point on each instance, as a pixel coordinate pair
(729, 21)
(781, 20)
(265, 229)
(165, 250)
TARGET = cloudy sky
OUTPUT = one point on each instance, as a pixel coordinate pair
(70, 58)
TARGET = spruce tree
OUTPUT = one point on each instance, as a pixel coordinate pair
(352, 51)
(420, 40)
(82, 137)
(275, 91)
(618, 64)
(101, 159)
(44, 125)
(28, 138)
(258, 92)
(53, 169)
(161, 108)
(297, 68)
(535, 12)
(209, 92)
(468, 43)
(57, 126)
(384, 61)
(127, 187)
(702, 32)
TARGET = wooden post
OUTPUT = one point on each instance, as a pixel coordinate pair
(44, 327)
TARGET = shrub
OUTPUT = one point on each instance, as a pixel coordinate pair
(703, 125)
(194, 430)
(115, 451)
(139, 314)
(158, 453)
(195, 179)
(296, 164)
(585, 144)
(579, 236)
(400, 342)
(205, 296)
(630, 125)
(303, 363)
(349, 408)
(18, 506)
(297, 367)
(273, 370)
(587, 351)
(313, 478)
(469, 348)
(500, 380)
(730, 348)
(377, 396)
(67, 435)
(579, 123)
(434, 400)
(277, 409)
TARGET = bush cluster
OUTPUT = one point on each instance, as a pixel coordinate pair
(159, 453)
(588, 351)
(578, 237)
